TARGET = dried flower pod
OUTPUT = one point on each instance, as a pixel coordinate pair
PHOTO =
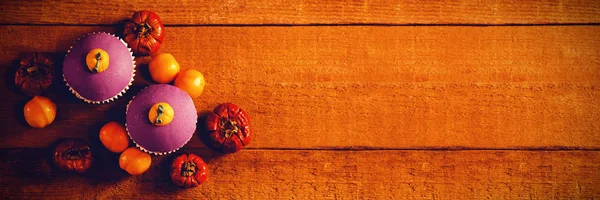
(35, 74)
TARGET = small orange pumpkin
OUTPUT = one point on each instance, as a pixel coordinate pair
(191, 81)
(114, 137)
(163, 68)
(134, 161)
(39, 112)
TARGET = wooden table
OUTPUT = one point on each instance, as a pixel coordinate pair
(356, 100)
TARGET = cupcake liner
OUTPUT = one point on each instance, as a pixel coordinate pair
(117, 95)
(144, 149)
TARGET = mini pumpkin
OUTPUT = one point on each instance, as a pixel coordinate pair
(35, 74)
(114, 137)
(39, 112)
(163, 68)
(191, 81)
(134, 161)
(73, 155)
(144, 33)
(229, 128)
(188, 171)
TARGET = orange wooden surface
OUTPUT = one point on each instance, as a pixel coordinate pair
(515, 87)
(184, 12)
(340, 111)
(322, 174)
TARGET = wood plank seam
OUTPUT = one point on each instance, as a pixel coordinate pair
(305, 11)
(457, 148)
(327, 25)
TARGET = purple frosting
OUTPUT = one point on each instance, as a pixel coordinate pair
(100, 86)
(161, 138)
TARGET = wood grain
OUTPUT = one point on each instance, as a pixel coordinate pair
(303, 12)
(359, 87)
(344, 103)
(259, 174)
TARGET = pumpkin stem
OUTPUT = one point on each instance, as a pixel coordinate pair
(145, 29)
(188, 169)
(230, 127)
(76, 153)
(33, 70)
(98, 58)
(160, 110)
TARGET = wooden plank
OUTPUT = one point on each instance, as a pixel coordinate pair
(260, 174)
(355, 87)
(303, 12)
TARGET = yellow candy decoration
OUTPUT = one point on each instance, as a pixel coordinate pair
(97, 60)
(161, 114)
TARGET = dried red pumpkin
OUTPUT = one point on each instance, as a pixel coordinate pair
(35, 74)
(144, 33)
(188, 171)
(73, 155)
(228, 128)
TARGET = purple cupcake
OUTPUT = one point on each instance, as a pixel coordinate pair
(161, 118)
(99, 68)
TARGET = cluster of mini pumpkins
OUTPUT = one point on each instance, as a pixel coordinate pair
(227, 132)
